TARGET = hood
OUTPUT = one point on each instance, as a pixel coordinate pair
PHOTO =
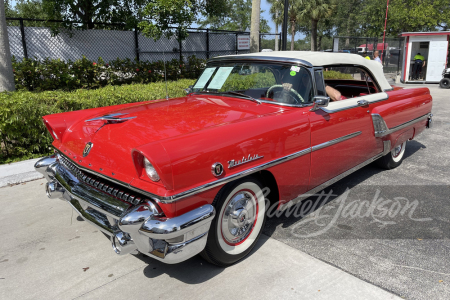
(154, 121)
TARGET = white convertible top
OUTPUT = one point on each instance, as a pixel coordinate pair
(319, 59)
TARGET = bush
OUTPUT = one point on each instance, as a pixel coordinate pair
(56, 74)
(22, 132)
(236, 82)
(336, 75)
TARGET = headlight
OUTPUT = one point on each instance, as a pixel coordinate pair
(150, 170)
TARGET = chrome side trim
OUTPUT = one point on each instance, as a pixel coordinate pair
(381, 128)
(335, 141)
(244, 173)
(312, 192)
(227, 179)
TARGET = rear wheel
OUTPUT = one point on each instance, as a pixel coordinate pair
(237, 226)
(445, 83)
(394, 158)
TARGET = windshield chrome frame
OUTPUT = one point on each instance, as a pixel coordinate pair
(268, 60)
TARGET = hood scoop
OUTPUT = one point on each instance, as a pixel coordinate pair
(111, 118)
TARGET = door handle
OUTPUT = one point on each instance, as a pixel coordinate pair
(362, 102)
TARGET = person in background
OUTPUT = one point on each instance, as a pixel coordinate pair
(419, 62)
(363, 75)
(376, 56)
(366, 56)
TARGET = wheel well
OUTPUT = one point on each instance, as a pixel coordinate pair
(268, 180)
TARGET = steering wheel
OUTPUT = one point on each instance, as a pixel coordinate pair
(298, 99)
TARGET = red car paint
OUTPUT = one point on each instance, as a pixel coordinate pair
(183, 137)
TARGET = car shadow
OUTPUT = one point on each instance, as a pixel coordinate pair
(286, 220)
(192, 271)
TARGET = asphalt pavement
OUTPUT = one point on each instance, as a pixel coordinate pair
(378, 235)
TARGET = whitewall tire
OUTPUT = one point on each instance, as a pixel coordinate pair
(394, 158)
(240, 217)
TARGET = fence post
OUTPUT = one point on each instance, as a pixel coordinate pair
(207, 43)
(236, 43)
(180, 42)
(136, 43)
(24, 43)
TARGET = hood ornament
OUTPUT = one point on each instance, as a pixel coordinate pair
(111, 118)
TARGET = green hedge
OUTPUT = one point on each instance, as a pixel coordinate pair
(56, 74)
(22, 132)
(336, 75)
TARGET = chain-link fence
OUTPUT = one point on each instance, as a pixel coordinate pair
(40, 39)
(391, 51)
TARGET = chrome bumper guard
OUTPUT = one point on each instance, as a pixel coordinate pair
(430, 121)
(131, 228)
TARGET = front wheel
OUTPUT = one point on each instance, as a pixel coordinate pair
(445, 83)
(240, 217)
(394, 158)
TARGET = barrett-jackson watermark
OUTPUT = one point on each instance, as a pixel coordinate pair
(312, 211)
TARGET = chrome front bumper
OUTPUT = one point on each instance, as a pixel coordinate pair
(132, 228)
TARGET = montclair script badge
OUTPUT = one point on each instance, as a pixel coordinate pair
(244, 160)
(87, 149)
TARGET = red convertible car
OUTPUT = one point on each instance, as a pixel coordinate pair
(172, 178)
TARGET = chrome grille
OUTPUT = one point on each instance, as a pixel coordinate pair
(101, 184)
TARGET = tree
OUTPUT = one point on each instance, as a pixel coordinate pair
(89, 12)
(161, 16)
(6, 70)
(315, 10)
(236, 16)
(9, 12)
(276, 13)
(404, 15)
(294, 18)
(30, 9)
(27, 9)
(254, 31)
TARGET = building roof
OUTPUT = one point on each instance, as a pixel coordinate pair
(316, 59)
(425, 33)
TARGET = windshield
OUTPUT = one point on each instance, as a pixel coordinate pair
(288, 84)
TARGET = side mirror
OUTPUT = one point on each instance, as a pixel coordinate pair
(188, 90)
(320, 101)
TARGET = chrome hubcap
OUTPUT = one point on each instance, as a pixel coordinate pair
(239, 217)
(397, 151)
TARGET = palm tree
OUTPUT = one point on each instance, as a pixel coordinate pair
(276, 13)
(6, 71)
(294, 17)
(254, 29)
(316, 10)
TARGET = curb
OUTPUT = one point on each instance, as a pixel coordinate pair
(19, 172)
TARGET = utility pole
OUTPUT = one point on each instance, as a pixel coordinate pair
(6, 70)
(254, 29)
(284, 28)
